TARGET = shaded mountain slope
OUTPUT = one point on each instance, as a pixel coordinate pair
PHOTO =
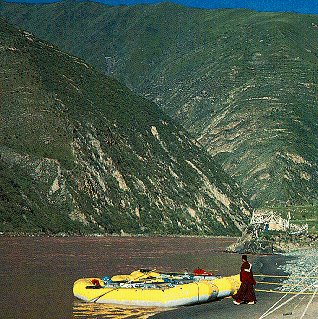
(80, 153)
(243, 83)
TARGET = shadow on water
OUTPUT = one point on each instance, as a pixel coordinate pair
(82, 310)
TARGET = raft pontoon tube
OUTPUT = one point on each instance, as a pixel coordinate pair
(153, 290)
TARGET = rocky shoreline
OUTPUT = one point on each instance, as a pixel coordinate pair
(299, 291)
(273, 243)
(304, 264)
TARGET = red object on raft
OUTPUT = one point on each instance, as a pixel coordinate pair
(95, 282)
(201, 272)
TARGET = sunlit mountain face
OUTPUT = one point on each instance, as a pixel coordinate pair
(80, 153)
(241, 82)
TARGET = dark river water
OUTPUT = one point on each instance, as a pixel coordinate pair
(37, 273)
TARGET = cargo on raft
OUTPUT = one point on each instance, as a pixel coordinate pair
(153, 289)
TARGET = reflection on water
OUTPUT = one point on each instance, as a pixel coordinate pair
(37, 273)
(83, 310)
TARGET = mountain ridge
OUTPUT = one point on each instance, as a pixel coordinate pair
(80, 154)
(241, 82)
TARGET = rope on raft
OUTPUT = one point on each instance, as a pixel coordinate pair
(274, 307)
(287, 292)
(276, 276)
(279, 283)
(283, 284)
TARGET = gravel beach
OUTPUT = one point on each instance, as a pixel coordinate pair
(300, 263)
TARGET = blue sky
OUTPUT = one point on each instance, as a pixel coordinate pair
(301, 6)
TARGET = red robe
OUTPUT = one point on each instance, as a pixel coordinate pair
(246, 292)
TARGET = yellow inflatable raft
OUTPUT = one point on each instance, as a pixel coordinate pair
(152, 290)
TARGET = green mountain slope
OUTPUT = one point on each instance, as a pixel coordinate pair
(80, 153)
(243, 83)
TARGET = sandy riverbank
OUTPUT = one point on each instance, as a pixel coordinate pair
(274, 265)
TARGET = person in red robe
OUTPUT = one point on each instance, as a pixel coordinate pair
(246, 292)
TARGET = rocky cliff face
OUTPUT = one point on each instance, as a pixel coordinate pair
(80, 153)
(243, 83)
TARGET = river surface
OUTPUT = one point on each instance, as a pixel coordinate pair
(37, 273)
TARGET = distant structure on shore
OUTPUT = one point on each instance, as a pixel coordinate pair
(265, 220)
